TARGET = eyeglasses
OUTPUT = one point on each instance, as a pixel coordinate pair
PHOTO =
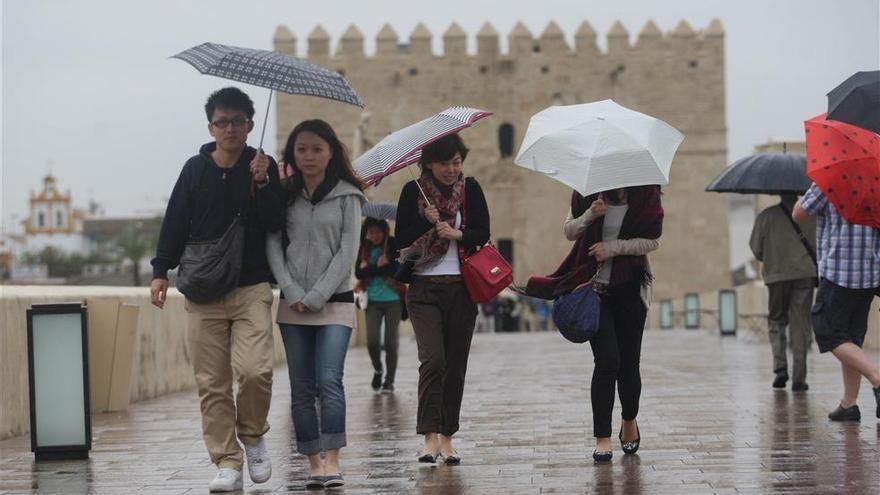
(237, 123)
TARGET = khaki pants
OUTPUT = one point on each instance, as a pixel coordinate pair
(233, 334)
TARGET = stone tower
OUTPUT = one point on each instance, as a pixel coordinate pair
(676, 76)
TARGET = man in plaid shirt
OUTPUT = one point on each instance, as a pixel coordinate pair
(849, 271)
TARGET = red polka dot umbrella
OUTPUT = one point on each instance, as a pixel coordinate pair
(844, 162)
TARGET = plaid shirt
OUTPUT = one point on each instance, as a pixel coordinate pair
(849, 254)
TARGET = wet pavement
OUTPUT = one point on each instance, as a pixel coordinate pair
(709, 420)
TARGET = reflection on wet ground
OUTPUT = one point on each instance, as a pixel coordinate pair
(709, 420)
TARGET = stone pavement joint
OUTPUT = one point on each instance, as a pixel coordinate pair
(710, 423)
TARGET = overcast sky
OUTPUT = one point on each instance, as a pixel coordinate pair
(90, 94)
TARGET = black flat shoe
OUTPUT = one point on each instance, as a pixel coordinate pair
(315, 482)
(851, 413)
(452, 460)
(333, 481)
(430, 458)
(602, 456)
(633, 446)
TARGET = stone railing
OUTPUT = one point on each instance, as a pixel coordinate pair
(160, 362)
(751, 302)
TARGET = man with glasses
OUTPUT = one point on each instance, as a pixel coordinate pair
(231, 336)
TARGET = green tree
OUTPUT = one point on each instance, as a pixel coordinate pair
(134, 245)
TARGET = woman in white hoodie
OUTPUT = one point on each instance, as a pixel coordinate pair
(317, 313)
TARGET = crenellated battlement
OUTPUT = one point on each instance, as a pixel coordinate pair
(521, 42)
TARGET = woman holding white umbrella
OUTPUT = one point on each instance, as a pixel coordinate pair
(614, 158)
(440, 215)
(619, 228)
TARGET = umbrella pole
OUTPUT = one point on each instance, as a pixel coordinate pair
(419, 185)
(265, 119)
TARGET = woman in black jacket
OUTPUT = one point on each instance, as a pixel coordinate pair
(375, 267)
(438, 215)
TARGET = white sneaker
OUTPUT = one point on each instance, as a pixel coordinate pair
(227, 480)
(259, 465)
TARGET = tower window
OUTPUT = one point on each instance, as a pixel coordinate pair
(59, 219)
(41, 220)
(505, 140)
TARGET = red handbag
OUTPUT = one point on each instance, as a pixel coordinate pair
(485, 273)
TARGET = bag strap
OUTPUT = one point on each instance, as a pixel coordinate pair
(800, 234)
(462, 254)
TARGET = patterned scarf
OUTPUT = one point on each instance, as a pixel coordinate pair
(429, 249)
(643, 219)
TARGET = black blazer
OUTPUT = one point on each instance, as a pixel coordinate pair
(410, 225)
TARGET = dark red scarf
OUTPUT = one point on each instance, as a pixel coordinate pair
(643, 220)
(429, 249)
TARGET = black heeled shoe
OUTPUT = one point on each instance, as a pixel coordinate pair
(633, 446)
(602, 456)
(452, 459)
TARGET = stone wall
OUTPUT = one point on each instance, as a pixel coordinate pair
(676, 76)
(751, 300)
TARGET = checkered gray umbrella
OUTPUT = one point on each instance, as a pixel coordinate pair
(404, 147)
(269, 69)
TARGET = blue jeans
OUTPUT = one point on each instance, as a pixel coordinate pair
(315, 361)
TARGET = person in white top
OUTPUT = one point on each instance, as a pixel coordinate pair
(437, 216)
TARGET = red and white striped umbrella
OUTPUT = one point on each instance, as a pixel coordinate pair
(404, 147)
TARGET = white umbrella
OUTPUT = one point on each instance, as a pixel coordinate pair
(599, 146)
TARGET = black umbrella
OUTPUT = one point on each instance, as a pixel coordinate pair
(764, 173)
(856, 101)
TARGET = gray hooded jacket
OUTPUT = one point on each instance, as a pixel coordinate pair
(323, 246)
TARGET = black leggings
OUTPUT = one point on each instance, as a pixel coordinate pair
(617, 349)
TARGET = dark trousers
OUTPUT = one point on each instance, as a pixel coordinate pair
(390, 312)
(790, 303)
(443, 318)
(617, 348)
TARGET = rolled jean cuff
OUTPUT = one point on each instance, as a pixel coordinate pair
(328, 441)
(332, 441)
(311, 447)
